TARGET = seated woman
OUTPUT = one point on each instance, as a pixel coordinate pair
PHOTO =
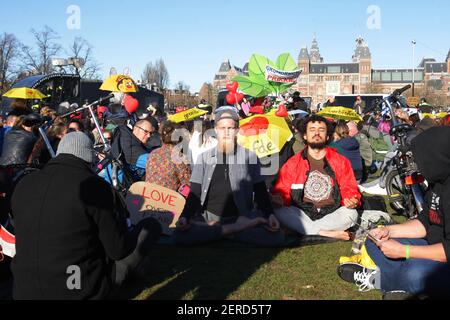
(412, 258)
(349, 147)
(167, 166)
(40, 154)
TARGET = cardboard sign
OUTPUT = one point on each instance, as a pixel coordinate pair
(413, 101)
(146, 200)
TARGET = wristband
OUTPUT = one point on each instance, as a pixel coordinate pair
(408, 252)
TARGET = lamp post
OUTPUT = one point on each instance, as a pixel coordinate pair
(413, 64)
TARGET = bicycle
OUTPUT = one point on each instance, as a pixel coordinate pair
(405, 185)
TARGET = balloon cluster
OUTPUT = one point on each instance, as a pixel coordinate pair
(234, 97)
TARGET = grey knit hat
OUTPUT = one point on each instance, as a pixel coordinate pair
(77, 144)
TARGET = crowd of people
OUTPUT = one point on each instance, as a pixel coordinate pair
(68, 214)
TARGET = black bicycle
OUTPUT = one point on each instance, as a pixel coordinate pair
(405, 185)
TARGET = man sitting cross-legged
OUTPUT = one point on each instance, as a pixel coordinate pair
(316, 192)
(224, 183)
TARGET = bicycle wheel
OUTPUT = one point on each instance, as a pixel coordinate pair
(398, 196)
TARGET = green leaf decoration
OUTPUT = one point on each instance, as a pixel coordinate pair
(257, 65)
(254, 87)
(286, 63)
(256, 84)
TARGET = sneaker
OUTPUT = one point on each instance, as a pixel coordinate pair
(355, 273)
(397, 295)
(374, 190)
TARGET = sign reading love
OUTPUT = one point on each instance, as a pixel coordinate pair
(146, 200)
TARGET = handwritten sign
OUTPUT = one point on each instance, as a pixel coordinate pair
(146, 200)
(413, 101)
(187, 115)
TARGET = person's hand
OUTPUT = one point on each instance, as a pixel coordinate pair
(247, 223)
(273, 224)
(182, 224)
(392, 249)
(382, 234)
(351, 203)
(277, 200)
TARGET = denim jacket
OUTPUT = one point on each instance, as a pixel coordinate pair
(244, 173)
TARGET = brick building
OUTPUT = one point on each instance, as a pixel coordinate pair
(320, 80)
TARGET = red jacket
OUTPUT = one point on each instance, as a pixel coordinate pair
(293, 176)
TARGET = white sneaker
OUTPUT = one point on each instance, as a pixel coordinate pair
(376, 190)
(366, 279)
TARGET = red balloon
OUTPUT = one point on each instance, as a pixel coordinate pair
(231, 99)
(131, 104)
(257, 109)
(282, 111)
(239, 97)
(232, 87)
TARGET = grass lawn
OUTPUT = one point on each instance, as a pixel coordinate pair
(222, 272)
(218, 272)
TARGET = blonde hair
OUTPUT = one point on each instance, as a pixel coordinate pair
(342, 130)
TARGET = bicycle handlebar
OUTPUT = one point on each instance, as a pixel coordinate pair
(398, 92)
(95, 103)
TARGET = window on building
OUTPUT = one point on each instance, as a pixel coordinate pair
(364, 79)
(376, 76)
(334, 69)
(396, 76)
(407, 76)
(386, 76)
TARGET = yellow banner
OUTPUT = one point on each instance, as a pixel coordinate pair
(187, 115)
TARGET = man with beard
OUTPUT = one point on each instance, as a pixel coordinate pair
(224, 183)
(316, 192)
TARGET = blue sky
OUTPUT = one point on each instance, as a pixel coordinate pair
(194, 37)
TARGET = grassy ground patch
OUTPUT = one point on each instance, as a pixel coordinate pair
(220, 272)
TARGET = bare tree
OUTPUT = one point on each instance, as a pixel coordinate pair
(182, 87)
(156, 73)
(208, 93)
(81, 49)
(38, 61)
(9, 52)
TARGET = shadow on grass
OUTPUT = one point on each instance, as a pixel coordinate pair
(208, 272)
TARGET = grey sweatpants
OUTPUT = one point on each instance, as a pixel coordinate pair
(200, 234)
(295, 219)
